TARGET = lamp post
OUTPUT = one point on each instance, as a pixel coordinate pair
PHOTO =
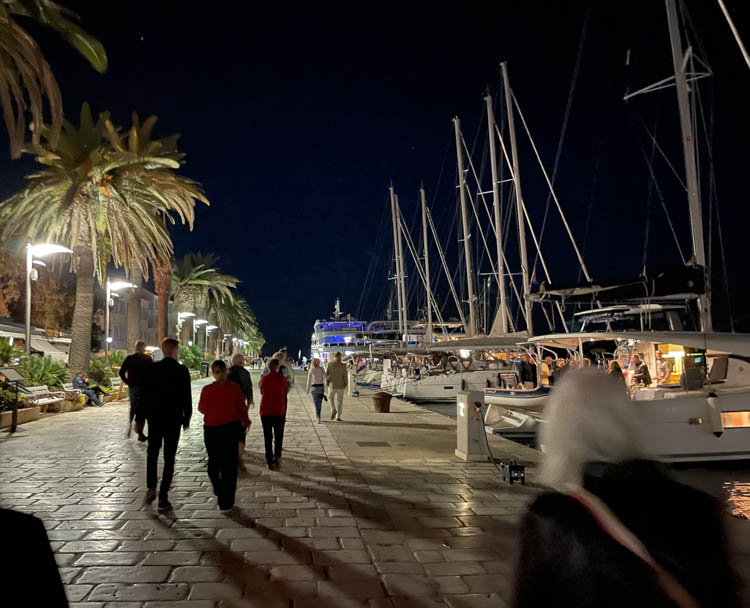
(110, 289)
(31, 274)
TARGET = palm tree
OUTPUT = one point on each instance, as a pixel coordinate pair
(100, 201)
(234, 317)
(195, 279)
(182, 191)
(25, 75)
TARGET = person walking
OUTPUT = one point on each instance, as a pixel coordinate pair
(337, 378)
(241, 377)
(285, 369)
(133, 372)
(609, 533)
(224, 420)
(316, 386)
(167, 405)
(273, 390)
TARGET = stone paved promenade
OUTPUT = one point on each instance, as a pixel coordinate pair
(401, 523)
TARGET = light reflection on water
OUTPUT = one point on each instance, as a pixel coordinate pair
(729, 482)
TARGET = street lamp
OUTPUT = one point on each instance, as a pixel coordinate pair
(111, 288)
(31, 274)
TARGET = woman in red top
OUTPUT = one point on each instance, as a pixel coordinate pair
(224, 415)
(273, 412)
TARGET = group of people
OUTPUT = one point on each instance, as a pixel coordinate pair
(552, 370)
(336, 378)
(161, 396)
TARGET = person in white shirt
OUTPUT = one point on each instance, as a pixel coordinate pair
(316, 385)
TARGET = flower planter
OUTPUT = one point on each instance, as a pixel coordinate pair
(26, 414)
(72, 406)
(108, 398)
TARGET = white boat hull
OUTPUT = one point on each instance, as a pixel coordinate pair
(683, 426)
(441, 387)
(522, 399)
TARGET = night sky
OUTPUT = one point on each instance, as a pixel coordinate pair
(295, 118)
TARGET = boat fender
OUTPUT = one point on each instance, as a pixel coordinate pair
(713, 415)
(463, 384)
(489, 383)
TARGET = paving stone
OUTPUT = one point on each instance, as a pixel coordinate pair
(214, 591)
(409, 585)
(76, 593)
(120, 558)
(124, 574)
(469, 555)
(146, 545)
(344, 556)
(352, 588)
(172, 558)
(140, 592)
(454, 568)
(293, 573)
(391, 553)
(196, 574)
(451, 584)
(475, 600)
(487, 583)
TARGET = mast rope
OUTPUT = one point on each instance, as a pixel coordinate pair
(563, 131)
(364, 293)
(736, 34)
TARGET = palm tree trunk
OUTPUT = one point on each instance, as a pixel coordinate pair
(80, 345)
(162, 284)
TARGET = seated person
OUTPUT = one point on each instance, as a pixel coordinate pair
(80, 382)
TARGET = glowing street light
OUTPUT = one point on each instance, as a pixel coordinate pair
(31, 275)
(112, 287)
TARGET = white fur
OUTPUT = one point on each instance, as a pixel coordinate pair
(588, 418)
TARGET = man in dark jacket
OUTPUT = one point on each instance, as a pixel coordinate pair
(168, 404)
(240, 376)
(133, 373)
(526, 372)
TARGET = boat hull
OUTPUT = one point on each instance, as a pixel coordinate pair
(517, 398)
(441, 387)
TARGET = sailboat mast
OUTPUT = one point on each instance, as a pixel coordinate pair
(471, 330)
(503, 312)
(519, 202)
(691, 169)
(396, 234)
(428, 289)
(401, 273)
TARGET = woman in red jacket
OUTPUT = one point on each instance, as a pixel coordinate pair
(273, 412)
(224, 414)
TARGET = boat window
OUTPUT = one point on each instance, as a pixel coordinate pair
(719, 369)
(735, 420)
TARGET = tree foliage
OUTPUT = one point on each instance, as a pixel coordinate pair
(25, 76)
(42, 371)
(8, 352)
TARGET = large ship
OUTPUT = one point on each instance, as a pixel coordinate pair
(339, 334)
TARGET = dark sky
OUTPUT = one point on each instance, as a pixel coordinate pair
(295, 117)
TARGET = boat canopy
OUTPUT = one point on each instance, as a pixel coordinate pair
(719, 342)
(480, 343)
(685, 283)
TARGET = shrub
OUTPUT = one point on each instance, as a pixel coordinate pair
(7, 397)
(191, 356)
(8, 352)
(116, 357)
(100, 371)
(41, 371)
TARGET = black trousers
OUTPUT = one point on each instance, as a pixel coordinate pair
(273, 429)
(169, 435)
(222, 446)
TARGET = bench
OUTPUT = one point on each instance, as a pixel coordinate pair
(42, 397)
(71, 394)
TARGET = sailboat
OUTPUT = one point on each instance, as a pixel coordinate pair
(700, 410)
